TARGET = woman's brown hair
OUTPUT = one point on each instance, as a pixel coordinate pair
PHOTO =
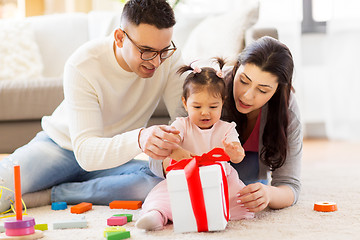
(273, 57)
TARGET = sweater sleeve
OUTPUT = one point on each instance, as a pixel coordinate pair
(92, 150)
(289, 173)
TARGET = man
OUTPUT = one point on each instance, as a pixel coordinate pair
(111, 87)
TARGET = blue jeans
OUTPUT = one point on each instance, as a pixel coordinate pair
(44, 164)
(248, 169)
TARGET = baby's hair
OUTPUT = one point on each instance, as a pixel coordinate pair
(204, 78)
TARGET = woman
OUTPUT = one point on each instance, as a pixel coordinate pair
(261, 102)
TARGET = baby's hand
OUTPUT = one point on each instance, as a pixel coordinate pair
(180, 153)
(235, 151)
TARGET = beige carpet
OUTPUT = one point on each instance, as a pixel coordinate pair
(330, 173)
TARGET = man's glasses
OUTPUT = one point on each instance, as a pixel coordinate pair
(147, 55)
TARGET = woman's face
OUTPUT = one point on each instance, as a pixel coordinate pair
(253, 88)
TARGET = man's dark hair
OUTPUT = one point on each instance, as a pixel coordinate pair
(153, 12)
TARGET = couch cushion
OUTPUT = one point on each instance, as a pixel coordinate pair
(19, 53)
(58, 36)
(102, 23)
(222, 35)
(30, 99)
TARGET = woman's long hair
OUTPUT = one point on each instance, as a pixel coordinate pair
(273, 57)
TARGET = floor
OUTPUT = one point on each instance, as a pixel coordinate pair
(322, 150)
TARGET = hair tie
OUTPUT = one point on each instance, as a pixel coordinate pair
(196, 70)
(220, 74)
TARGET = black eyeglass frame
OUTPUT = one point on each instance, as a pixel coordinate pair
(153, 51)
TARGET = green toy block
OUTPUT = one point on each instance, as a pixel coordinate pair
(128, 215)
(114, 229)
(42, 227)
(117, 235)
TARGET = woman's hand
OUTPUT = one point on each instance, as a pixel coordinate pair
(234, 150)
(255, 197)
(158, 141)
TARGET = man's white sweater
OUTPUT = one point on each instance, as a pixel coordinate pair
(105, 106)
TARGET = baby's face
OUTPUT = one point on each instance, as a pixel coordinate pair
(204, 109)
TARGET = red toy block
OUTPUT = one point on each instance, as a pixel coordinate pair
(116, 221)
(125, 204)
(81, 207)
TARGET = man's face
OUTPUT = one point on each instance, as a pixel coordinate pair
(144, 37)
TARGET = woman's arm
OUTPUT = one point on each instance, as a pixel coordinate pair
(285, 185)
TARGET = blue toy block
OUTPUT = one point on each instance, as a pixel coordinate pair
(58, 206)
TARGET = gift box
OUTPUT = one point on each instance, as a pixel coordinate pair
(199, 194)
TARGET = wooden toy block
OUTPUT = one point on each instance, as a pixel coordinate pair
(114, 229)
(38, 234)
(19, 227)
(117, 235)
(58, 206)
(117, 221)
(42, 227)
(81, 207)
(128, 215)
(125, 204)
(73, 223)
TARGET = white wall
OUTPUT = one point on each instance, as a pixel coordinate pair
(331, 75)
(326, 76)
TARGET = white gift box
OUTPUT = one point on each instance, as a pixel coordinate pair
(182, 211)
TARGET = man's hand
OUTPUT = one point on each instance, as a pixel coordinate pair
(158, 141)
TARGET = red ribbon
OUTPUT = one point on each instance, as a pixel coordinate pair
(191, 169)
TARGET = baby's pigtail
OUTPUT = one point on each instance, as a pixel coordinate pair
(183, 69)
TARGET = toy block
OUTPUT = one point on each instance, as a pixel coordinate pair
(129, 216)
(114, 229)
(125, 204)
(117, 235)
(58, 206)
(73, 223)
(41, 227)
(81, 207)
(117, 221)
(36, 235)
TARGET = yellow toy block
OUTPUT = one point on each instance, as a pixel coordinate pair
(114, 229)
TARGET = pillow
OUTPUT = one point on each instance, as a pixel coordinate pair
(222, 35)
(19, 54)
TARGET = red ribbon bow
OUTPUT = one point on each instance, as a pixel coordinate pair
(191, 169)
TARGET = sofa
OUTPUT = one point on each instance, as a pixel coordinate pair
(27, 96)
